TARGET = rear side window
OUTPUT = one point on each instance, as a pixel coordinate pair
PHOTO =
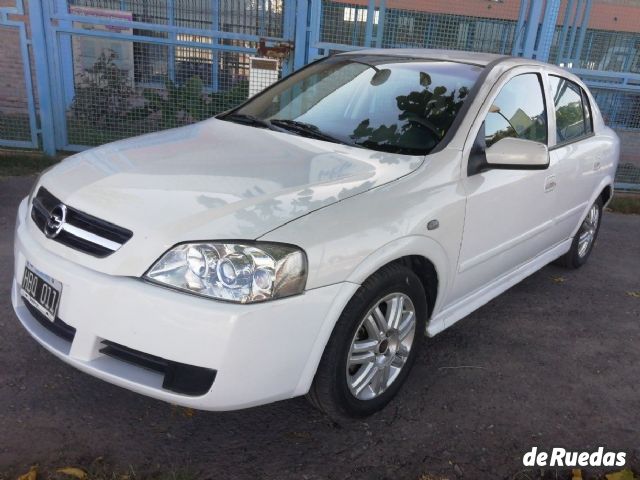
(518, 111)
(572, 110)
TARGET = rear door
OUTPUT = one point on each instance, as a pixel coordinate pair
(576, 156)
(510, 213)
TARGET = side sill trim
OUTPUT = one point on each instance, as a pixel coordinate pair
(475, 300)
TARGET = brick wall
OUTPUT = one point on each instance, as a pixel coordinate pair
(618, 15)
(13, 95)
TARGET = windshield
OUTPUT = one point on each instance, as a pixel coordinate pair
(384, 103)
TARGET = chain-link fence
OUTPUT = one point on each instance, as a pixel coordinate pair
(621, 111)
(182, 68)
(14, 116)
(485, 27)
(608, 60)
(604, 50)
(119, 68)
(17, 105)
(126, 89)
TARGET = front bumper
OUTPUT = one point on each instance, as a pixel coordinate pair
(262, 352)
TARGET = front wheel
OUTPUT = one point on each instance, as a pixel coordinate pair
(585, 238)
(373, 345)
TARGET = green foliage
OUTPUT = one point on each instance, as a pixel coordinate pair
(507, 132)
(222, 101)
(15, 162)
(182, 104)
(106, 107)
(178, 104)
(568, 115)
(425, 117)
(625, 203)
(103, 93)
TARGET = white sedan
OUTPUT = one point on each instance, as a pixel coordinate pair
(307, 241)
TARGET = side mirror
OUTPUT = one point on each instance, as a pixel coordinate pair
(506, 154)
(380, 77)
(517, 154)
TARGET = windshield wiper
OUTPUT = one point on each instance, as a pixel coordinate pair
(307, 130)
(246, 119)
(283, 125)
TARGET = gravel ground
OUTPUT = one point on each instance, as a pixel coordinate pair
(557, 360)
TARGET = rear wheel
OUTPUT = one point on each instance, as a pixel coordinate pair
(373, 345)
(585, 238)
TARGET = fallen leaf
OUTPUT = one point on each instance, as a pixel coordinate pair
(73, 472)
(558, 279)
(187, 412)
(625, 474)
(635, 294)
(576, 474)
(32, 474)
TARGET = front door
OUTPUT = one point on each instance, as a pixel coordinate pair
(509, 213)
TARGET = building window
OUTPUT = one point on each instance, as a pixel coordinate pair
(355, 14)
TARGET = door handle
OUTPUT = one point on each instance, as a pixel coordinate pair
(550, 183)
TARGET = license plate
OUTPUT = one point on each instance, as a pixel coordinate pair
(41, 291)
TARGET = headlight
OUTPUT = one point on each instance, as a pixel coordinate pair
(237, 272)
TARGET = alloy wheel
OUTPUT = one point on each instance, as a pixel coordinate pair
(588, 231)
(381, 346)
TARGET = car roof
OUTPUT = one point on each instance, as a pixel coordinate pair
(460, 56)
(481, 59)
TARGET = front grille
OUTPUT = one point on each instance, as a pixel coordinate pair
(57, 327)
(78, 230)
(178, 377)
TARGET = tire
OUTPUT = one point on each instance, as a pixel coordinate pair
(335, 387)
(579, 252)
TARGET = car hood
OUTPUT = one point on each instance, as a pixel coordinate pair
(216, 180)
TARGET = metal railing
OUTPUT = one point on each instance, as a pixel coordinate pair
(109, 69)
(18, 121)
(128, 67)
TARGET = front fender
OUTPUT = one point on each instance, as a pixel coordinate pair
(402, 247)
(411, 245)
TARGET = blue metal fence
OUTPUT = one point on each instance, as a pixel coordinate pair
(108, 69)
(129, 67)
(18, 121)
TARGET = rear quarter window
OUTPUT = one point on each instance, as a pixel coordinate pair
(588, 117)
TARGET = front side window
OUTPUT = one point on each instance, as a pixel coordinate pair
(518, 111)
(384, 103)
(573, 119)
